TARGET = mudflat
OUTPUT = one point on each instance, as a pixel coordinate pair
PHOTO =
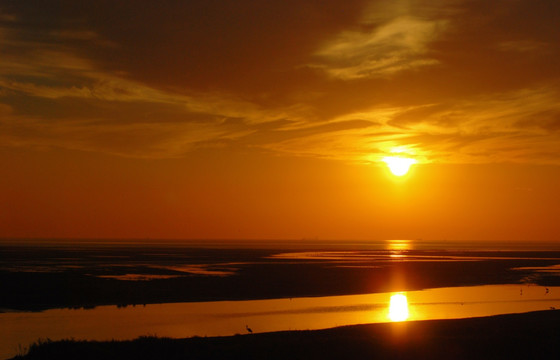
(39, 278)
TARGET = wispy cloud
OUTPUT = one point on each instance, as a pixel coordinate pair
(378, 51)
(516, 126)
(391, 36)
(523, 46)
(157, 123)
(54, 73)
(95, 86)
(144, 140)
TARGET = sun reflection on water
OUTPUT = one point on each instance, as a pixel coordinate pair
(398, 307)
(398, 245)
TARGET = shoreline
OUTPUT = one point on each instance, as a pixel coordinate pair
(514, 336)
(42, 279)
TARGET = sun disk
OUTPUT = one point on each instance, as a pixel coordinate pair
(399, 166)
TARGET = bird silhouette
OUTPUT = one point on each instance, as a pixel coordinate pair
(249, 329)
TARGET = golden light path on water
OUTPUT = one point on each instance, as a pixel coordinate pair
(398, 307)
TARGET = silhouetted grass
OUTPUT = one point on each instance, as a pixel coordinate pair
(519, 336)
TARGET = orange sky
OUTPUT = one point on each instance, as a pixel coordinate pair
(219, 119)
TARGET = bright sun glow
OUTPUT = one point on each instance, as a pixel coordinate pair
(399, 166)
(398, 307)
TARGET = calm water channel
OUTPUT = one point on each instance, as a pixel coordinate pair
(177, 320)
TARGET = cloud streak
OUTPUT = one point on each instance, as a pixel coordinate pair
(399, 45)
(445, 81)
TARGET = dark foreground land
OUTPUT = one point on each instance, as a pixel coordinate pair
(519, 336)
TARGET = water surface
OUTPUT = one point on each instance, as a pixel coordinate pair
(234, 317)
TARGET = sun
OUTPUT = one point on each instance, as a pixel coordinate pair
(398, 165)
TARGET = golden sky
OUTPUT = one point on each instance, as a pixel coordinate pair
(270, 119)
